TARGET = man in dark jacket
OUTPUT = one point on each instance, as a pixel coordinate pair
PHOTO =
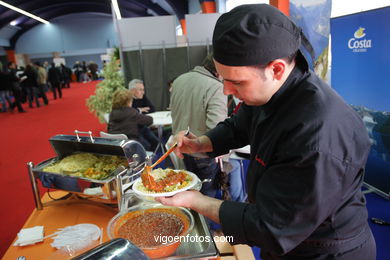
(144, 106)
(5, 89)
(54, 77)
(140, 101)
(16, 89)
(308, 147)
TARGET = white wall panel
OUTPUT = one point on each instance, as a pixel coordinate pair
(200, 28)
(150, 31)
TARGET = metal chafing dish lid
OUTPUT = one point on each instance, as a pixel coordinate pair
(65, 145)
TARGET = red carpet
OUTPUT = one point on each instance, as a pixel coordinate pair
(23, 138)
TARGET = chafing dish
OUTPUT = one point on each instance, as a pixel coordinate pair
(108, 190)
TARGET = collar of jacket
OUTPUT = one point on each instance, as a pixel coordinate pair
(203, 71)
(296, 75)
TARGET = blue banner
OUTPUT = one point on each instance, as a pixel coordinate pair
(361, 75)
(313, 17)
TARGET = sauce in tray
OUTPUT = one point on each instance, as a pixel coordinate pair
(143, 228)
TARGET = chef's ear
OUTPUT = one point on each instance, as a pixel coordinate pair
(278, 67)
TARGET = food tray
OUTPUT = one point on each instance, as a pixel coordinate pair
(187, 250)
(191, 250)
(106, 190)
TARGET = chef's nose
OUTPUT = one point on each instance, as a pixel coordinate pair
(228, 89)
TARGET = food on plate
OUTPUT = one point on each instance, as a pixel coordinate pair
(87, 165)
(164, 181)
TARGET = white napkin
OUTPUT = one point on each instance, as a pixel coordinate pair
(29, 236)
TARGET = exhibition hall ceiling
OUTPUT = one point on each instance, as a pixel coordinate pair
(51, 9)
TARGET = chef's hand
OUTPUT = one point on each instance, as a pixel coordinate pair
(195, 200)
(181, 199)
(190, 143)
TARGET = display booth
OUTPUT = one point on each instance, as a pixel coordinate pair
(360, 74)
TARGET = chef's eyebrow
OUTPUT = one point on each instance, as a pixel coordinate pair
(232, 81)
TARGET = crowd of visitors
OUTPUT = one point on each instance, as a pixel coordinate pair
(85, 73)
(19, 85)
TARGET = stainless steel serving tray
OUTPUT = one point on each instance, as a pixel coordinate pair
(186, 250)
(39, 169)
(106, 189)
(197, 249)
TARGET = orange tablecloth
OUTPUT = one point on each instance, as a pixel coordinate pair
(58, 215)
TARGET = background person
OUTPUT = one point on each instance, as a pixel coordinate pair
(140, 102)
(29, 83)
(55, 77)
(5, 90)
(16, 89)
(41, 81)
(124, 119)
(308, 147)
(198, 102)
(144, 106)
(66, 76)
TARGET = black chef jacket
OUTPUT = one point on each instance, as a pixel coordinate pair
(308, 152)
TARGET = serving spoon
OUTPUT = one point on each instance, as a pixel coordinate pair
(148, 168)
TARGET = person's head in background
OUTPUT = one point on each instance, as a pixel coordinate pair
(122, 98)
(136, 86)
(208, 64)
(170, 84)
(11, 65)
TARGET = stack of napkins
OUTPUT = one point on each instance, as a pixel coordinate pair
(29, 236)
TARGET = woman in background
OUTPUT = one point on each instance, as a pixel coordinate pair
(124, 119)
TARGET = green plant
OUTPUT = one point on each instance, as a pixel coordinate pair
(101, 102)
(116, 54)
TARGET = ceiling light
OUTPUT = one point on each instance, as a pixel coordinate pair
(116, 9)
(14, 23)
(23, 12)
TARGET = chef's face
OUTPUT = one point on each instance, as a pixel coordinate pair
(139, 91)
(253, 85)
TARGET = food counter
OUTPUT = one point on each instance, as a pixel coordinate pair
(68, 207)
(59, 214)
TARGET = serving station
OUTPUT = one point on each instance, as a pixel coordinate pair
(75, 198)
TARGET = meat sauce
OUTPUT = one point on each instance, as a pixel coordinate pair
(143, 229)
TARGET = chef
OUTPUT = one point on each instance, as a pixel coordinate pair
(308, 147)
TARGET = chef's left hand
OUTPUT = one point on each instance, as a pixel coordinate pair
(181, 199)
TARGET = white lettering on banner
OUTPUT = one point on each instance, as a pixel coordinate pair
(353, 43)
(360, 45)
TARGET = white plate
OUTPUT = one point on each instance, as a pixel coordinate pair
(138, 182)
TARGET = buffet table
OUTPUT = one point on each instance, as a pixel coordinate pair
(161, 119)
(62, 213)
(58, 215)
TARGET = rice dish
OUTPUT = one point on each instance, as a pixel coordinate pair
(87, 165)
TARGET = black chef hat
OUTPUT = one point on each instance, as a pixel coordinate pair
(255, 35)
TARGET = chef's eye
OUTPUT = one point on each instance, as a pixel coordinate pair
(235, 83)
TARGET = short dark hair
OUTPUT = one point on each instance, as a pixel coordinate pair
(208, 64)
